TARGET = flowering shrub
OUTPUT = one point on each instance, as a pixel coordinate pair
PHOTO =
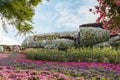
(109, 11)
(82, 54)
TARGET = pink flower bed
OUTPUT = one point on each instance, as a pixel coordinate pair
(8, 73)
(3, 55)
(85, 69)
(22, 57)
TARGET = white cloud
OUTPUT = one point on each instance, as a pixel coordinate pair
(73, 17)
(5, 39)
(69, 20)
(86, 16)
(45, 2)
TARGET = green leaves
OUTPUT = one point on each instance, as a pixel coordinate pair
(94, 54)
(18, 13)
(34, 2)
(24, 28)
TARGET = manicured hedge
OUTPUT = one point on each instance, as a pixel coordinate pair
(80, 54)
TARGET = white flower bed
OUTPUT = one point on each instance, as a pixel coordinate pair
(88, 36)
(29, 42)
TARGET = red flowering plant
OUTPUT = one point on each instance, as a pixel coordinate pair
(109, 11)
(117, 2)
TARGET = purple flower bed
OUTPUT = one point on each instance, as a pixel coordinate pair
(74, 69)
(116, 67)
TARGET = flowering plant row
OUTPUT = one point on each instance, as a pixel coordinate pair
(69, 70)
(8, 73)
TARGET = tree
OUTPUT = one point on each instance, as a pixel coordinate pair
(18, 13)
(109, 11)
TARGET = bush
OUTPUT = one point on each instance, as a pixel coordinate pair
(80, 54)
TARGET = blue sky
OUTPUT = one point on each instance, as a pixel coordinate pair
(58, 15)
